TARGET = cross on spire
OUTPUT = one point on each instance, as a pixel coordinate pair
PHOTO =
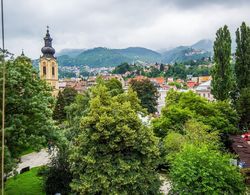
(22, 54)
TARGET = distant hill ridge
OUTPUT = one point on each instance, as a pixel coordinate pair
(101, 56)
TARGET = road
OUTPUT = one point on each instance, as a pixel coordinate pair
(34, 159)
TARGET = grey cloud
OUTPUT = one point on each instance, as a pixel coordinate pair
(117, 23)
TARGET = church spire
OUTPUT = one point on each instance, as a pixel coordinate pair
(22, 54)
(48, 50)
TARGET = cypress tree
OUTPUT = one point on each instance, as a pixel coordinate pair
(222, 73)
(65, 98)
(242, 71)
(242, 65)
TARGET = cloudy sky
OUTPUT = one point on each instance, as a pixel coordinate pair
(155, 24)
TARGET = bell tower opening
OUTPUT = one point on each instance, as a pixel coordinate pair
(53, 71)
(44, 70)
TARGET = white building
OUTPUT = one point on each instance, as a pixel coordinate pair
(204, 90)
(161, 99)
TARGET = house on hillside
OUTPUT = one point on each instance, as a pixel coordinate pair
(204, 90)
(158, 81)
(203, 79)
(191, 84)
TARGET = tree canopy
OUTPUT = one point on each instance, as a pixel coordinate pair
(182, 106)
(242, 71)
(64, 98)
(222, 72)
(201, 170)
(29, 103)
(113, 152)
(242, 64)
(147, 93)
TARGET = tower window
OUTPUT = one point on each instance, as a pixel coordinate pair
(53, 71)
(44, 70)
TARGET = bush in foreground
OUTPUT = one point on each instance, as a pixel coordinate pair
(200, 170)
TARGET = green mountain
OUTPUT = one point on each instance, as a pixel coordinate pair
(184, 54)
(140, 54)
(204, 44)
(100, 56)
(199, 50)
(70, 52)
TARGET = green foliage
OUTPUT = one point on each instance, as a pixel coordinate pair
(78, 108)
(242, 65)
(123, 68)
(28, 116)
(201, 170)
(242, 71)
(195, 133)
(172, 144)
(154, 72)
(114, 86)
(28, 183)
(65, 74)
(199, 71)
(57, 176)
(180, 107)
(65, 98)
(147, 93)
(178, 70)
(222, 73)
(113, 152)
(176, 84)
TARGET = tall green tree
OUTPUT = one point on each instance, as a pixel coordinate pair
(242, 64)
(29, 103)
(242, 71)
(147, 93)
(114, 153)
(65, 98)
(222, 73)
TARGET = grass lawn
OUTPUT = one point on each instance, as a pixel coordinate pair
(27, 183)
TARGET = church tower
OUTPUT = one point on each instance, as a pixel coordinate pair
(48, 64)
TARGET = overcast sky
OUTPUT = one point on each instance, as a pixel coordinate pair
(155, 24)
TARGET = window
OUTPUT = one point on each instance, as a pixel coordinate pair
(53, 71)
(44, 70)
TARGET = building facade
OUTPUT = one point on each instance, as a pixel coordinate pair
(48, 66)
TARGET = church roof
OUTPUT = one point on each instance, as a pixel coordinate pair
(48, 50)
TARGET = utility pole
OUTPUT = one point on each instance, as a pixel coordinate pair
(3, 99)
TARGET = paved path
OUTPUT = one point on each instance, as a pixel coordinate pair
(165, 188)
(34, 159)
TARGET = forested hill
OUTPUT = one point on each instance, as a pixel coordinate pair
(101, 56)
